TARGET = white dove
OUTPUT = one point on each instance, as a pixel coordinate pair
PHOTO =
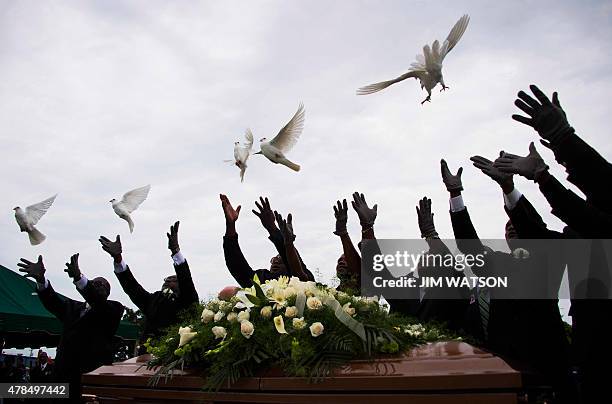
(242, 153)
(428, 66)
(282, 143)
(28, 218)
(129, 203)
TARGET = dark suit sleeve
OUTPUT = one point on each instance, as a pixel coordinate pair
(465, 233)
(52, 302)
(581, 216)
(236, 263)
(581, 161)
(528, 223)
(138, 295)
(277, 239)
(188, 291)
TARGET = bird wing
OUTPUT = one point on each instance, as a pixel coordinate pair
(454, 36)
(132, 200)
(38, 210)
(249, 137)
(416, 70)
(290, 133)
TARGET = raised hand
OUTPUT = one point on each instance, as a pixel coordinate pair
(547, 118)
(341, 214)
(231, 214)
(286, 227)
(486, 166)
(367, 215)
(113, 248)
(265, 214)
(529, 166)
(425, 216)
(72, 268)
(173, 244)
(452, 182)
(35, 270)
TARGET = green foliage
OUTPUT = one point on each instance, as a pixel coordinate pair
(234, 344)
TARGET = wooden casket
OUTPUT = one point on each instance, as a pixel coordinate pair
(443, 372)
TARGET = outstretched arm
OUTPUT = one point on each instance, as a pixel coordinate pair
(188, 293)
(367, 216)
(36, 270)
(234, 259)
(138, 295)
(353, 260)
(295, 264)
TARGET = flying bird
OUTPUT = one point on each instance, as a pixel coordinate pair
(129, 203)
(242, 153)
(26, 219)
(428, 66)
(282, 143)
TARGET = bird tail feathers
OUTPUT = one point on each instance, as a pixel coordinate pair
(290, 164)
(374, 88)
(130, 223)
(36, 237)
(242, 170)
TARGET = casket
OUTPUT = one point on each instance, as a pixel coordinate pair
(442, 372)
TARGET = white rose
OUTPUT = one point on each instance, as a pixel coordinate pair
(289, 292)
(348, 309)
(291, 312)
(219, 316)
(247, 328)
(266, 312)
(219, 332)
(316, 329)
(280, 325)
(313, 303)
(207, 315)
(244, 316)
(299, 323)
(232, 317)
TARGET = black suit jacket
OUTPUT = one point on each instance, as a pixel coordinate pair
(159, 310)
(38, 375)
(86, 340)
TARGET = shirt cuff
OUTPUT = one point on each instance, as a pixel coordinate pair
(511, 199)
(42, 286)
(456, 203)
(120, 267)
(81, 283)
(178, 258)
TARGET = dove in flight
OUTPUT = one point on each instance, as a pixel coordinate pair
(26, 219)
(129, 203)
(242, 153)
(428, 66)
(282, 143)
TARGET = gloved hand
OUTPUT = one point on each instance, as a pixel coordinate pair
(72, 268)
(35, 270)
(547, 118)
(341, 214)
(367, 216)
(265, 214)
(529, 166)
(452, 182)
(173, 244)
(286, 227)
(426, 222)
(113, 248)
(486, 166)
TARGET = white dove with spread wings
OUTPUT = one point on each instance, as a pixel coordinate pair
(26, 219)
(129, 203)
(242, 153)
(275, 149)
(428, 66)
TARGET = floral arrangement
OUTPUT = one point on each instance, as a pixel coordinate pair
(307, 329)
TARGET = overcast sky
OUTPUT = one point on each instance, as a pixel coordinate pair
(97, 98)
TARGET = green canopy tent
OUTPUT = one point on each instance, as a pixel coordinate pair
(24, 321)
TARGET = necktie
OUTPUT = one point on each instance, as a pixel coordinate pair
(483, 307)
